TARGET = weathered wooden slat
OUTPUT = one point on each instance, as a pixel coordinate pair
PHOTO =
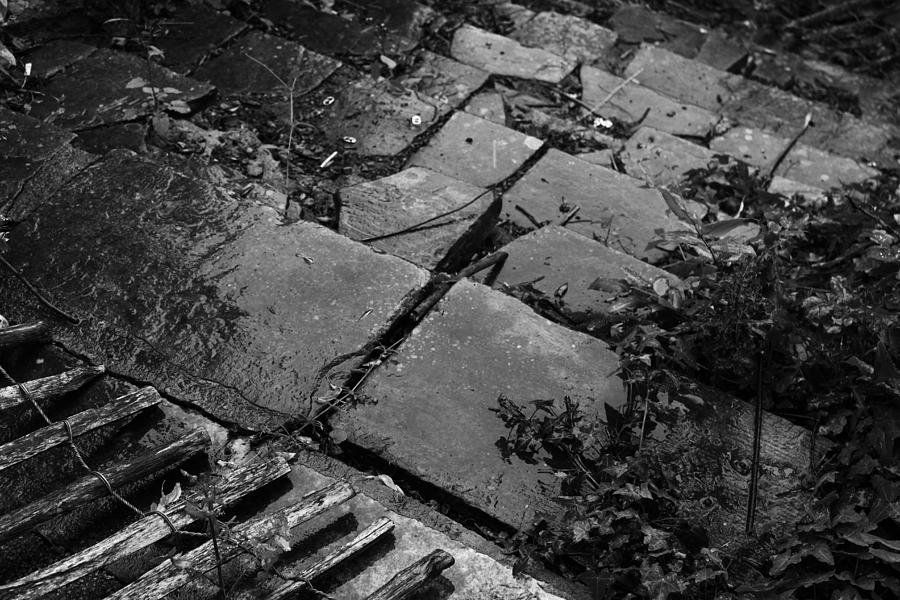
(411, 579)
(48, 387)
(90, 487)
(166, 577)
(47, 437)
(16, 335)
(232, 486)
(359, 543)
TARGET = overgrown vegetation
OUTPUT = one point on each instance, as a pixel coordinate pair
(793, 301)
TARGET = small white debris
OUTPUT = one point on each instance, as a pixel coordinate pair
(328, 160)
(328, 101)
(416, 120)
(27, 69)
(348, 139)
(601, 122)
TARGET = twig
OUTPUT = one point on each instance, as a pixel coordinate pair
(529, 216)
(835, 10)
(783, 154)
(757, 440)
(34, 290)
(615, 91)
(564, 219)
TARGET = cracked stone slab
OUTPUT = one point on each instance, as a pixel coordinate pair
(630, 103)
(682, 79)
(553, 256)
(488, 106)
(246, 66)
(192, 32)
(379, 117)
(411, 197)
(55, 56)
(661, 157)
(615, 208)
(212, 301)
(474, 150)
(35, 160)
(443, 80)
(575, 39)
(504, 56)
(433, 414)
(802, 164)
(120, 89)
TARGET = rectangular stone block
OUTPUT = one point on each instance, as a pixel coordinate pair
(435, 396)
(476, 151)
(573, 38)
(618, 210)
(662, 158)
(445, 81)
(504, 56)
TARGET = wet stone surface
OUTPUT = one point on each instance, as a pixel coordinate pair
(572, 38)
(434, 397)
(503, 56)
(474, 150)
(216, 303)
(630, 102)
(662, 158)
(411, 197)
(120, 89)
(246, 67)
(618, 210)
(192, 32)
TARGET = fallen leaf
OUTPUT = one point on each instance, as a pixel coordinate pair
(137, 82)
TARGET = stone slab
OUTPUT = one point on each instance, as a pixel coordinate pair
(616, 209)
(802, 164)
(379, 117)
(192, 32)
(575, 39)
(636, 24)
(553, 256)
(631, 101)
(662, 158)
(414, 196)
(36, 159)
(120, 89)
(55, 56)
(504, 56)
(434, 397)
(604, 158)
(217, 303)
(236, 72)
(682, 79)
(721, 52)
(474, 150)
(788, 187)
(444, 81)
(488, 106)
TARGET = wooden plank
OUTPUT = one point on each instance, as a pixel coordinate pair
(414, 577)
(48, 387)
(140, 534)
(359, 543)
(16, 335)
(47, 437)
(166, 577)
(90, 487)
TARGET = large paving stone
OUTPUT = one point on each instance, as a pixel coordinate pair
(247, 66)
(414, 196)
(631, 101)
(573, 38)
(120, 89)
(474, 150)
(504, 56)
(35, 160)
(616, 209)
(681, 78)
(379, 116)
(803, 163)
(214, 302)
(443, 80)
(662, 158)
(552, 256)
(433, 414)
(192, 32)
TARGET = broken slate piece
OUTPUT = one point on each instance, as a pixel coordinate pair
(444, 81)
(788, 187)
(630, 102)
(414, 196)
(55, 56)
(435, 398)
(474, 150)
(720, 52)
(503, 56)
(215, 301)
(488, 106)
(247, 67)
(575, 39)
(120, 89)
(192, 32)
(618, 210)
(636, 24)
(662, 158)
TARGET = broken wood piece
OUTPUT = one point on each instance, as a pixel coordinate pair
(90, 487)
(359, 543)
(48, 387)
(47, 437)
(233, 485)
(411, 579)
(16, 335)
(167, 577)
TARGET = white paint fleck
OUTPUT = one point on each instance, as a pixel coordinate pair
(532, 143)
